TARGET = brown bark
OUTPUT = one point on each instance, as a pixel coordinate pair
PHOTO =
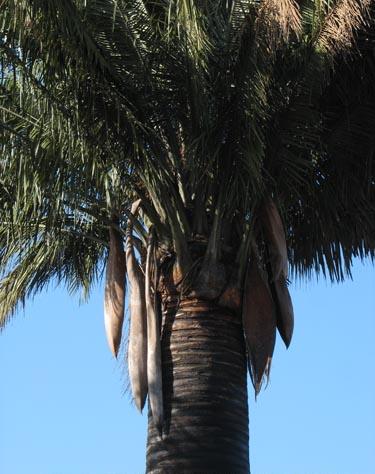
(205, 427)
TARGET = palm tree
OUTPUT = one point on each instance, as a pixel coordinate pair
(197, 150)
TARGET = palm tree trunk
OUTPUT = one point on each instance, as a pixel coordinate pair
(205, 393)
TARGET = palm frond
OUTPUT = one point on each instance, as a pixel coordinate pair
(338, 28)
(202, 110)
(280, 18)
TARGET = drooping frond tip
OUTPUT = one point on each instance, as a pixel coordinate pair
(259, 324)
(114, 295)
(276, 240)
(280, 17)
(277, 247)
(341, 23)
(137, 347)
(259, 379)
(154, 369)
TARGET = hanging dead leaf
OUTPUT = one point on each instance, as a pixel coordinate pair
(259, 323)
(137, 347)
(275, 237)
(154, 368)
(285, 314)
(114, 295)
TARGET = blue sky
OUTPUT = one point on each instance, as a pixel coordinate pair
(64, 408)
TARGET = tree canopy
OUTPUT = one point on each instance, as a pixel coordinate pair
(203, 110)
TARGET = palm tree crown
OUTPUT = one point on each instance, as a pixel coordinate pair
(227, 119)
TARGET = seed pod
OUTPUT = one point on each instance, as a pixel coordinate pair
(137, 347)
(275, 237)
(259, 323)
(154, 371)
(114, 295)
(285, 314)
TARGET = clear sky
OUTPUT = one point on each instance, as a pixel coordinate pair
(64, 410)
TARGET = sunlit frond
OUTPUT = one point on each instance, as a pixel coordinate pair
(280, 17)
(341, 23)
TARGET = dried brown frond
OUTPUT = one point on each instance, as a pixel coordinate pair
(154, 370)
(275, 239)
(114, 296)
(338, 30)
(137, 348)
(285, 314)
(279, 18)
(259, 323)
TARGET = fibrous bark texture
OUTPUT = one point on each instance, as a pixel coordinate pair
(205, 426)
